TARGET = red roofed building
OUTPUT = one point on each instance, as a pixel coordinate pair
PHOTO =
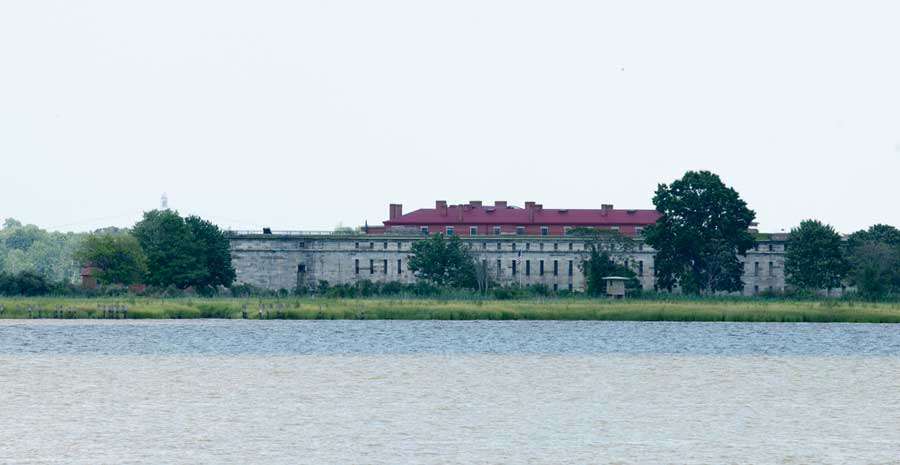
(474, 218)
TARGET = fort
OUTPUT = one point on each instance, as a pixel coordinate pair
(518, 246)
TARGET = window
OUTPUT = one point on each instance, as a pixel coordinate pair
(771, 248)
(527, 246)
(755, 290)
(640, 268)
(555, 246)
(614, 228)
(541, 246)
(496, 230)
(555, 267)
(527, 267)
(638, 230)
(356, 265)
(357, 245)
(423, 229)
(755, 268)
(545, 231)
(570, 273)
(756, 247)
(641, 247)
(570, 246)
(513, 246)
(385, 246)
(555, 287)
(520, 230)
(570, 287)
(513, 267)
(484, 246)
(473, 230)
(399, 245)
(371, 266)
(399, 266)
(566, 230)
(541, 268)
(499, 245)
(372, 245)
(771, 269)
(385, 266)
(301, 268)
(449, 230)
(499, 267)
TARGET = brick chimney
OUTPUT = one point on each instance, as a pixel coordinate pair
(606, 206)
(475, 203)
(396, 211)
(500, 204)
(441, 207)
(459, 214)
(529, 207)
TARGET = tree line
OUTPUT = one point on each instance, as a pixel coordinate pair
(700, 238)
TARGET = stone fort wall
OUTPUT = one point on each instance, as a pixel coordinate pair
(288, 261)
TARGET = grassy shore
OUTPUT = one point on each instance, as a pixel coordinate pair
(680, 309)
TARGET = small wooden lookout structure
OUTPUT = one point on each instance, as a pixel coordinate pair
(615, 286)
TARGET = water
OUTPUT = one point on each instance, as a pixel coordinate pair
(280, 392)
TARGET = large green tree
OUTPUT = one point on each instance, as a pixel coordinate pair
(183, 252)
(213, 251)
(874, 256)
(815, 257)
(443, 261)
(703, 229)
(118, 258)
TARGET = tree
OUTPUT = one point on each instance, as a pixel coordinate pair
(597, 262)
(25, 283)
(183, 252)
(815, 257)
(29, 248)
(703, 229)
(214, 252)
(874, 257)
(443, 261)
(118, 258)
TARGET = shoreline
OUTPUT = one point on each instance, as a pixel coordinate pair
(749, 310)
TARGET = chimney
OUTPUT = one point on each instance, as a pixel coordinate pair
(529, 207)
(459, 214)
(538, 207)
(606, 206)
(396, 211)
(441, 207)
(475, 203)
(500, 204)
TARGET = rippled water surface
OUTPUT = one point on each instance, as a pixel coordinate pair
(274, 392)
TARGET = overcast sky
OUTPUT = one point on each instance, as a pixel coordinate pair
(302, 114)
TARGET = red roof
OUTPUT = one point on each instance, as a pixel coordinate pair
(511, 215)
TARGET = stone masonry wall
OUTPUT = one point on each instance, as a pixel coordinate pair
(285, 262)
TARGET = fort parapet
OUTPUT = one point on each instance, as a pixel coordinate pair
(288, 259)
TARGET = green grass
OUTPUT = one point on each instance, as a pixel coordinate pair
(676, 309)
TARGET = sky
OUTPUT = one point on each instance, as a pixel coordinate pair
(307, 114)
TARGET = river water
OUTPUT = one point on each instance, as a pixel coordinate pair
(391, 392)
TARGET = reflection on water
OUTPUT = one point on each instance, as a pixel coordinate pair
(74, 404)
